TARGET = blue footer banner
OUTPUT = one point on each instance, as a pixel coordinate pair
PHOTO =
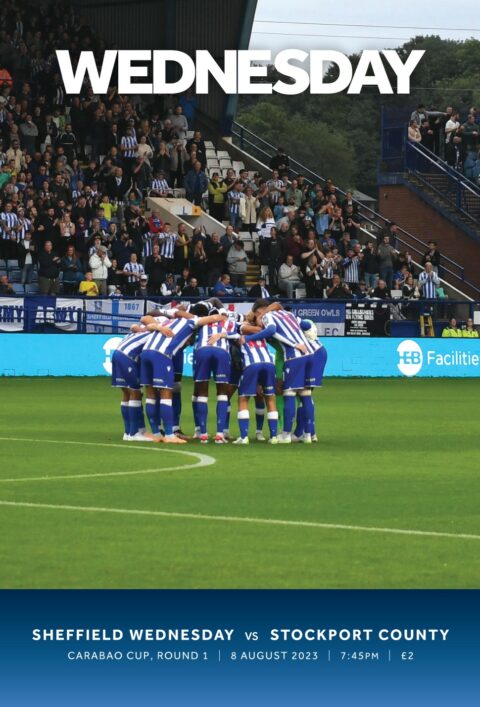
(240, 648)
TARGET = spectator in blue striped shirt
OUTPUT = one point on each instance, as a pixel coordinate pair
(133, 271)
(129, 147)
(428, 282)
(351, 265)
(236, 206)
(168, 241)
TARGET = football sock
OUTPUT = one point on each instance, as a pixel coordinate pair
(125, 415)
(227, 420)
(243, 422)
(202, 411)
(288, 412)
(152, 411)
(300, 428)
(177, 404)
(133, 408)
(222, 413)
(195, 411)
(272, 418)
(166, 414)
(259, 415)
(309, 412)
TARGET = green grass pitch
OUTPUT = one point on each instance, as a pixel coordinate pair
(393, 455)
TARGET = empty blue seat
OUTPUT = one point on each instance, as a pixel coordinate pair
(32, 289)
(15, 275)
(11, 264)
(18, 288)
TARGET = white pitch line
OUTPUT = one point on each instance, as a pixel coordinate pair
(239, 519)
(202, 460)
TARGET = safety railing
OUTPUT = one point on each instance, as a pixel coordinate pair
(447, 183)
(262, 150)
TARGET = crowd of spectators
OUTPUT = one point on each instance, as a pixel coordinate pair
(453, 137)
(75, 171)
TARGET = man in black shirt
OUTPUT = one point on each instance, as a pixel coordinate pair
(155, 269)
(48, 270)
(432, 256)
(280, 162)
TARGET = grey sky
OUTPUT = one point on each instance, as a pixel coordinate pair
(427, 14)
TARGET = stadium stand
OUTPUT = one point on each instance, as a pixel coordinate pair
(77, 172)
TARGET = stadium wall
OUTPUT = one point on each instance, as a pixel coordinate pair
(90, 355)
(398, 203)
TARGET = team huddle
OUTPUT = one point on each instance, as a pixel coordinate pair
(268, 354)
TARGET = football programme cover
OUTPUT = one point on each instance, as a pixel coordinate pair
(239, 353)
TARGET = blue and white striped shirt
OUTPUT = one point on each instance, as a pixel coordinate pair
(132, 345)
(24, 228)
(8, 221)
(352, 270)
(167, 243)
(135, 269)
(205, 332)
(160, 185)
(168, 346)
(289, 333)
(234, 199)
(131, 144)
(429, 283)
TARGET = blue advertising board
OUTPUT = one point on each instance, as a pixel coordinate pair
(90, 355)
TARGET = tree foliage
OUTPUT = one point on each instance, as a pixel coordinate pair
(339, 135)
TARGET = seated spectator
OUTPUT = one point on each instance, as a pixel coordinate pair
(381, 291)
(223, 288)
(191, 290)
(88, 286)
(184, 278)
(169, 287)
(452, 331)
(237, 263)
(142, 287)
(5, 286)
(289, 277)
(259, 290)
(362, 290)
(400, 277)
(469, 332)
(409, 289)
(338, 289)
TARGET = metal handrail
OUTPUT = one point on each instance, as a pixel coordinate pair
(241, 135)
(448, 172)
(451, 171)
